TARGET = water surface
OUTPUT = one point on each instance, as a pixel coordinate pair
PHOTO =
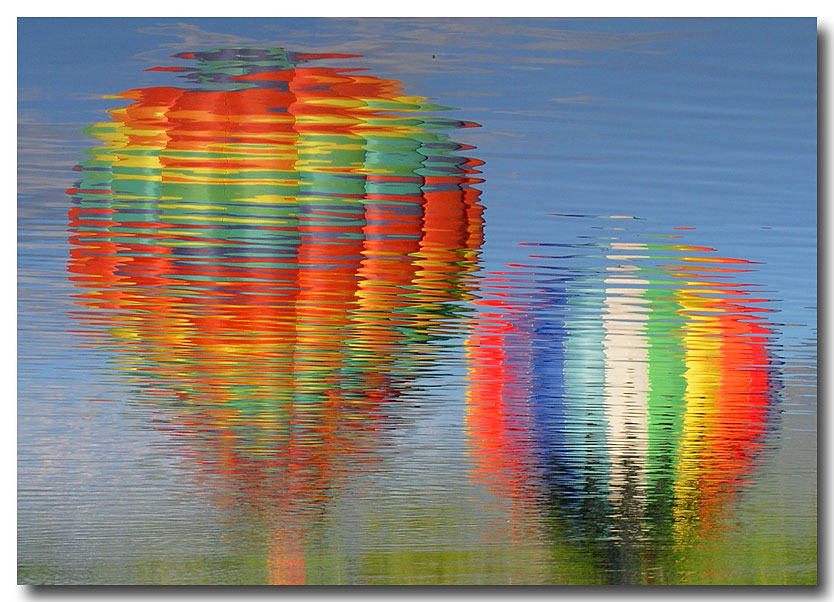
(417, 301)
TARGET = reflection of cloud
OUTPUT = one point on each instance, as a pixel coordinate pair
(482, 33)
(473, 45)
(26, 116)
(472, 94)
(536, 113)
(651, 51)
(544, 60)
(575, 99)
(28, 94)
(46, 154)
(507, 134)
(57, 134)
(603, 40)
(192, 36)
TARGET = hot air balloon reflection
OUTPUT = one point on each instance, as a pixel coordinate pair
(645, 385)
(270, 250)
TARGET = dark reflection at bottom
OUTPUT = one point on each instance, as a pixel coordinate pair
(622, 394)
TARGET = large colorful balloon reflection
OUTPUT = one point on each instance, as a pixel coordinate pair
(631, 397)
(274, 248)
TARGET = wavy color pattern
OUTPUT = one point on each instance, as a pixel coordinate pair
(627, 400)
(273, 249)
(276, 252)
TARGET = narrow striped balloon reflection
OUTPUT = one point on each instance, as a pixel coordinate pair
(623, 392)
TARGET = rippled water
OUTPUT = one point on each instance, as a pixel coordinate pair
(286, 317)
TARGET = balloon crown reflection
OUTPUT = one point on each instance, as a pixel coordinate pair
(244, 67)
